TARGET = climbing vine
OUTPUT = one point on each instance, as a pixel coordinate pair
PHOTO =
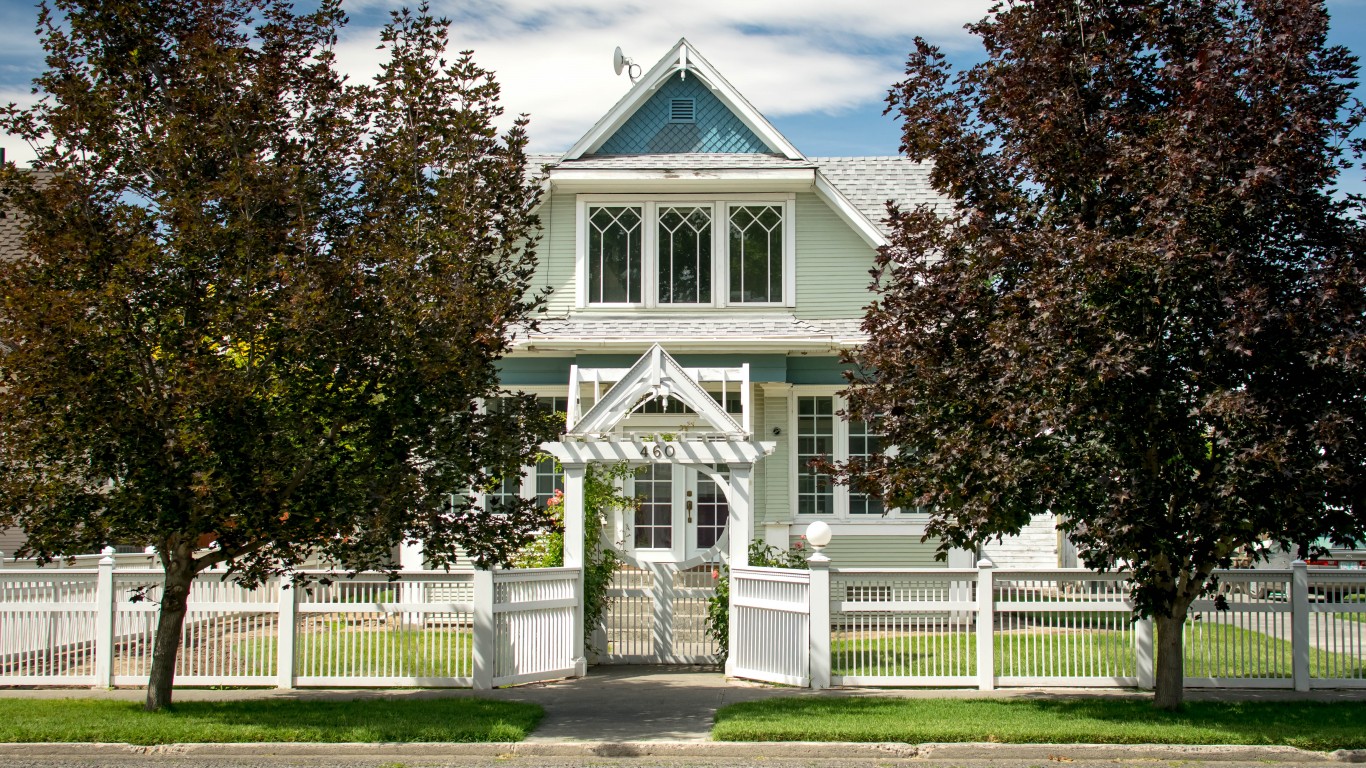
(601, 494)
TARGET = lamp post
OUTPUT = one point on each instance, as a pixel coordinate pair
(818, 536)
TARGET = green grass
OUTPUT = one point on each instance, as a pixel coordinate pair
(1210, 651)
(361, 720)
(1308, 725)
(349, 652)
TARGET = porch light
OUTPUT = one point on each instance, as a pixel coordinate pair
(818, 535)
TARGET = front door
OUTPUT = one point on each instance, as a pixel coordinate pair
(672, 546)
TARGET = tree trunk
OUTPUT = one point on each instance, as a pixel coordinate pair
(1171, 661)
(174, 603)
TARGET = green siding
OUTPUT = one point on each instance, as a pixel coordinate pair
(534, 371)
(555, 269)
(832, 263)
(774, 487)
(881, 552)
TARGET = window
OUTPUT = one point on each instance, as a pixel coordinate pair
(684, 255)
(685, 252)
(756, 254)
(539, 481)
(614, 255)
(654, 515)
(820, 433)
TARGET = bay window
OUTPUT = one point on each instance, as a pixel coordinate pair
(685, 251)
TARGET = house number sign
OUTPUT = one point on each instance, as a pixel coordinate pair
(657, 451)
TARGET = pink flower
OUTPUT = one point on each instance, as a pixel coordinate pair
(715, 574)
(798, 545)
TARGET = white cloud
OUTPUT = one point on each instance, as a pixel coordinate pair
(789, 57)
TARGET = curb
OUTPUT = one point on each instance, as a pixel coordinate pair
(708, 749)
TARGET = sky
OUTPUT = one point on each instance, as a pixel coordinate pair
(819, 70)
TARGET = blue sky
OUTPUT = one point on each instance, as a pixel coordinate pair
(818, 69)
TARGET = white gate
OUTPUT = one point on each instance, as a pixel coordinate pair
(657, 614)
(770, 625)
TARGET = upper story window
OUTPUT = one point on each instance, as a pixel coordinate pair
(686, 251)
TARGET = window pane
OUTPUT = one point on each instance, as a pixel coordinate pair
(863, 442)
(684, 255)
(654, 516)
(756, 253)
(815, 439)
(614, 254)
(713, 512)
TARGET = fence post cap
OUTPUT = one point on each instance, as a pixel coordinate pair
(108, 556)
(1299, 564)
(985, 563)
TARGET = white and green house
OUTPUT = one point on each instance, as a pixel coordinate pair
(706, 275)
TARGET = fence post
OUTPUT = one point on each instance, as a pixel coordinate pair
(104, 621)
(1143, 651)
(986, 626)
(485, 632)
(2, 559)
(288, 631)
(818, 612)
(1299, 624)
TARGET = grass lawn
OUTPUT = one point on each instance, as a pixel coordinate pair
(363, 652)
(1211, 651)
(1308, 725)
(362, 720)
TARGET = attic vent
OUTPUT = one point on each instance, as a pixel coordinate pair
(682, 111)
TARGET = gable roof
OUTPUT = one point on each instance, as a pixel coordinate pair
(685, 61)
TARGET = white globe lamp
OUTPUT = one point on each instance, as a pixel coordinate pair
(818, 536)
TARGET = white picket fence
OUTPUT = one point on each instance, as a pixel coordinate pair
(989, 628)
(429, 628)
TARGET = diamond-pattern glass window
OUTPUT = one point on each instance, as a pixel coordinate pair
(614, 254)
(654, 515)
(684, 255)
(864, 441)
(815, 439)
(756, 254)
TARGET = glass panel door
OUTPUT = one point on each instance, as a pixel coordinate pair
(709, 514)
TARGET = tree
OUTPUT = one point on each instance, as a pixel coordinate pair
(1145, 310)
(259, 305)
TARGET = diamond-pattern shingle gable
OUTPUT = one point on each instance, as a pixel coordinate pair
(650, 130)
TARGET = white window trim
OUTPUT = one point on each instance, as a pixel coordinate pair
(841, 439)
(649, 268)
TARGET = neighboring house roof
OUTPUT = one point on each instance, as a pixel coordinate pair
(676, 331)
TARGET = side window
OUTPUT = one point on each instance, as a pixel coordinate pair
(615, 254)
(756, 254)
(863, 442)
(815, 439)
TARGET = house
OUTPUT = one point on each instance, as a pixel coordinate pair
(705, 276)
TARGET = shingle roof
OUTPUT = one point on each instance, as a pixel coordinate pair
(730, 327)
(693, 160)
(869, 182)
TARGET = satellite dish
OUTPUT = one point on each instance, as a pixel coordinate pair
(618, 60)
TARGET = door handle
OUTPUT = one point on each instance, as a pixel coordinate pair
(688, 506)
